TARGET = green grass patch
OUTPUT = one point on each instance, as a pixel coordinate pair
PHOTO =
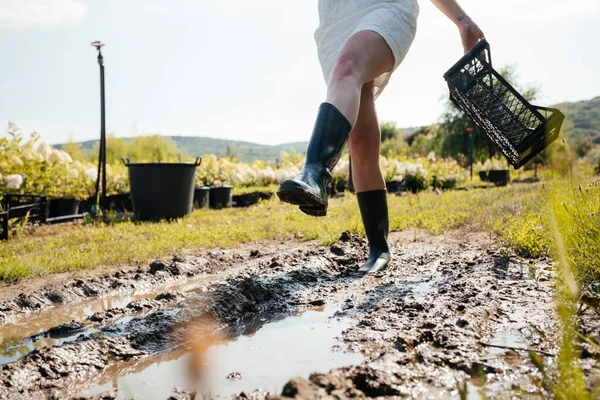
(63, 248)
(527, 234)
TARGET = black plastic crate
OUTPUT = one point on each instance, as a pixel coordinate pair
(519, 129)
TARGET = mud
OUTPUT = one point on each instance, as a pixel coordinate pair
(589, 327)
(248, 362)
(56, 335)
(451, 313)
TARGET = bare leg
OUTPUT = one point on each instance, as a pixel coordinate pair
(369, 183)
(365, 56)
(364, 145)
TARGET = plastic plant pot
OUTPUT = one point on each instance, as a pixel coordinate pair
(201, 196)
(220, 197)
(500, 177)
(162, 190)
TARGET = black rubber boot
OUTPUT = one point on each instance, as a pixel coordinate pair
(374, 212)
(309, 189)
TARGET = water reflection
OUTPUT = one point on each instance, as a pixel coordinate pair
(267, 352)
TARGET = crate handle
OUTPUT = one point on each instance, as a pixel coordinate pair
(467, 58)
(198, 161)
(479, 48)
(125, 160)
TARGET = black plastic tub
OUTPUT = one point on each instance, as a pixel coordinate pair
(220, 197)
(265, 195)
(246, 200)
(85, 206)
(500, 177)
(341, 187)
(61, 207)
(395, 186)
(161, 190)
(483, 175)
(201, 196)
(119, 202)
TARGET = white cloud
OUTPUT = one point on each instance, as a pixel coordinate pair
(20, 14)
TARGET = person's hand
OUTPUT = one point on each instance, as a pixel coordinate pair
(470, 33)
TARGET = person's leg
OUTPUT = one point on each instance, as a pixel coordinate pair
(364, 144)
(364, 57)
(369, 182)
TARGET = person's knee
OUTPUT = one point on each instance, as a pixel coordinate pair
(349, 66)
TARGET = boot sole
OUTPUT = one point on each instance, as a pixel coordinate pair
(298, 196)
(308, 202)
(319, 211)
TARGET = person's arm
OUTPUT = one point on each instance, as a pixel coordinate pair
(470, 33)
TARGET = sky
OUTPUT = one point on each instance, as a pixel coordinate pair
(248, 70)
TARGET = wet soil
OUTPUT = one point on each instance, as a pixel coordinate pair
(450, 314)
(589, 343)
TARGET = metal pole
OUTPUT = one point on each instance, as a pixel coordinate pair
(102, 152)
(102, 130)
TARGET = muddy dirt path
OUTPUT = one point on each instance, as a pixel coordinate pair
(296, 320)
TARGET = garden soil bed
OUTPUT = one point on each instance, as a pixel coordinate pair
(450, 314)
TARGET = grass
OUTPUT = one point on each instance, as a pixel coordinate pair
(566, 227)
(575, 221)
(53, 249)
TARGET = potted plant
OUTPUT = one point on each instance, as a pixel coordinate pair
(341, 174)
(213, 173)
(245, 179)
(220, 195)
(201, 196)
(69, 191)
(416, 177)
(394, 173)
(485, 170)
(118, 192)
(446, 174)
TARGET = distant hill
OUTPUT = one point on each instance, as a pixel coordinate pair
(244, 151)
(582, 119)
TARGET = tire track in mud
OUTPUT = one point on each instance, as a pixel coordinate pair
(425, 323)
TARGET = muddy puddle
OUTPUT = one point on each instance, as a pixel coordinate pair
(450, 313)
(36, 331)
(16, 338)
(297, 345)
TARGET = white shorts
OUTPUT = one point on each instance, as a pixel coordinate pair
(395, 21)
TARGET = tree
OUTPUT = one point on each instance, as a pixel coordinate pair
(230, 151)
(115, 149)
(74, 150)
(390, 131)
(426, 142)
(583, 146)
(153, 148)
